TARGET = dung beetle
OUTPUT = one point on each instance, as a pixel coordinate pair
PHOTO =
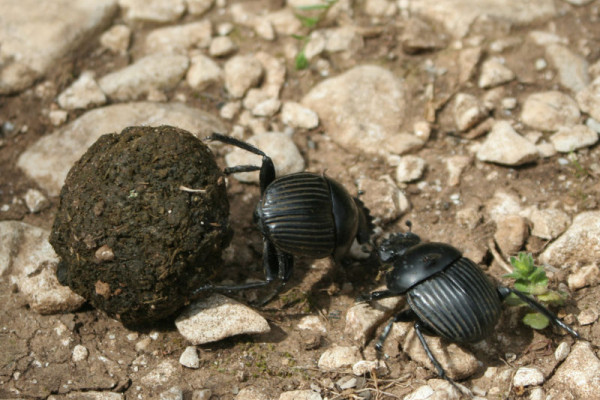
(299, 214)
(447, 294)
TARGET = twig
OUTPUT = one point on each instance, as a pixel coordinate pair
(498, 257)
(190, 190)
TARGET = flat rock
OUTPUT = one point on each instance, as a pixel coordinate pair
(457, 16)
(36, 35)
(338, 357)
(49, 159)
(527, 376)
(572, 68)
(589, 99)
(503, 145)
(218, 317)
(26, 255)
(361, 109)
(157, 71)
(363, 318)
(579, 245)
(410, 168)
(179, 38)
(580, 372)
(571, 138)
(548, 111)
(279, 146)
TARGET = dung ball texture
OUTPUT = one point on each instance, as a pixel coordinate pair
(142, 221)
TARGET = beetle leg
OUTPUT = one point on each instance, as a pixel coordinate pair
(381, 294)
(505, 291)
(406, 315)
(276, 266)
(240, 168)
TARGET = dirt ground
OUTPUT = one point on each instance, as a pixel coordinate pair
(286, 358)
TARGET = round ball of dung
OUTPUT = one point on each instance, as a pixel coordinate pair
(142, 221)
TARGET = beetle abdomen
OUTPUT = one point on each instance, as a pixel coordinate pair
(297, 215)
(458, 303)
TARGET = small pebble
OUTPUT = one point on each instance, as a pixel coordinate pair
(189, 358)
(562, 351)
(80, 353)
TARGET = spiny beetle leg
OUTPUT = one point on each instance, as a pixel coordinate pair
(382, 294)
(406, 315)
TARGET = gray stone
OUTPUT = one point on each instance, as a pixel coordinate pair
(203, 72)
(242, 73)
(339, 357)
(35, 200)
(587, 316)
(300, 395)
(511, 233)
(156, 71)
(363, 318)
(589, 99)
(26, 255)
(548, 111)
(161, 374)
(547, 223)
(588, 275)
(80, 353)
(116, 39)
(49, 159)
(562, 351)
(152, 10)
(82, 93)
(580, 372)
(579, 245)
(572, 68)
(494, 73)
(35, 36)
(503, 145)
(189, 358)
(455, 166)
(295, 115)
(457, 16)
(217, 317)
(571, 138)
(468, 111)
(222, 46)
(179, 38)
(527, 376)
(410, 168)
(418, 36)
(312, 323)
(385, 200)
(279, 146)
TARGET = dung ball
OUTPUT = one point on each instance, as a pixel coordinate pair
(142, 222)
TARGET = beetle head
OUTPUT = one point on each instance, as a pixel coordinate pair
(396, 245)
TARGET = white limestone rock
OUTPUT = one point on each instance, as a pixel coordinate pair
(203, 72)
(157, 11)
(116, 39)
(179, 38)
(503, 145)
(83, 93)
(297, 116)
(242, 73)
(548, 111)
(571, 138)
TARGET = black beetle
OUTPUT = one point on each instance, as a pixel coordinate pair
(448, 294)
(300, 214)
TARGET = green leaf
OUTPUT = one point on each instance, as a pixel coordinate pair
(308, 22)
(553, 297)
(513, 301)
(301, 61)
(300, 37)
(538, 276)
(536, 320)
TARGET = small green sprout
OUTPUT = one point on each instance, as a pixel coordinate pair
(532, 280)
(310, 22)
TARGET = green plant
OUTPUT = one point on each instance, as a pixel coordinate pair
(532, 280)
(310, 21)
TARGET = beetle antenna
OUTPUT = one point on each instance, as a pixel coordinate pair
(409, 225)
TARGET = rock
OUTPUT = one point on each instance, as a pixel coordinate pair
(35, 200)
(242, 73)
(199, 7)
(116, 39)
(468, 111)
(383, 198)
(363, 319)
(494, 73)
(189, 358)
(26, 255)
(264, 29)
(503, 204)
(572, 68)
(455, 166)
(203, 394)
(548, 111)
(505, 146)
(587, 316)
(312, 323)
(90, 395)
(511, 233)
(562, 351)
(458, 16)
(82, 93)
(344, 38)
(526, 376)
(588, 275)
(250, 393)
(547, 223)
(434, 390)
(580, 244)
(49, 159)
(580, 372)
(179, 38)
(156, 71)
(161, 374)
(284, 22)
(364, 367)
(571, 138)
(363, 108)
(203, 72)
(380, 8)
(230, 110)
(339, 357)
(35, 38)
(410, 168)
(174, 393)
(469, 217)
(544, 38)
(300, 395)
(589, 99)
(418, 36)
(157, 11)
(266, 108)
(295, 115)
(217, 317)
(58, 117)
(280, 147)
(222, 46)
(80, 353)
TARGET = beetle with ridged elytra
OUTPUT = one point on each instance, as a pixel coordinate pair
(448, 294)
(299, 214)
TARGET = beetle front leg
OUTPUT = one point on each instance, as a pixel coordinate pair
(406, 315)
(283, 272)
(381, 294)
(505, 292)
